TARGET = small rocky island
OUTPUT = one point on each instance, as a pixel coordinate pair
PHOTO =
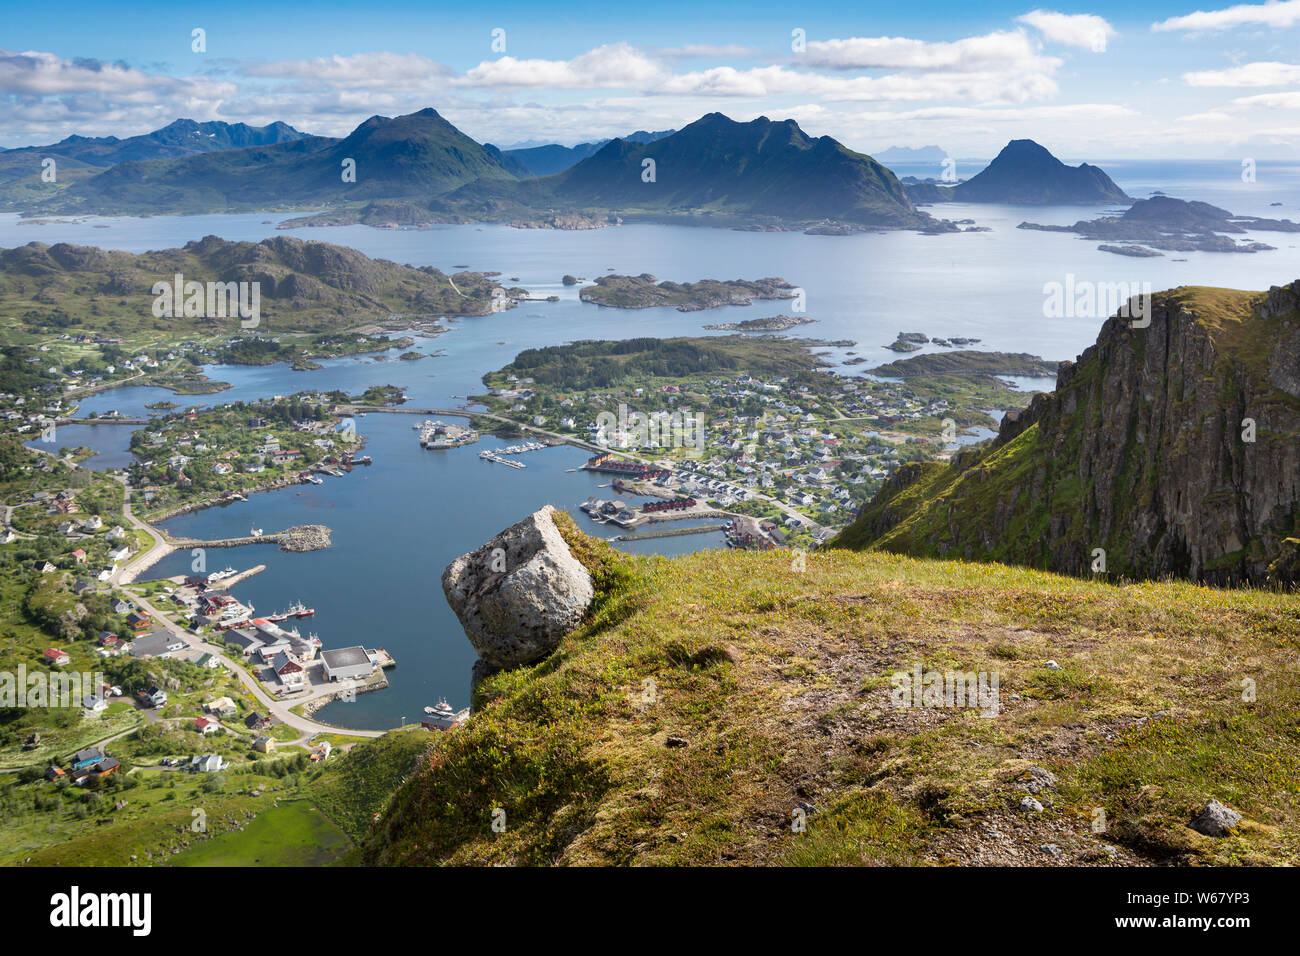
(777, 323)
(647, 292)
(912, 342)
(970, 362)
(1172, 225)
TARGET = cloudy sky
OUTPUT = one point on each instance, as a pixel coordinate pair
(1172, 78)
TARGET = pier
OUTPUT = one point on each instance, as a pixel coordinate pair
(227, 583)
(670, 532)
(310, 537)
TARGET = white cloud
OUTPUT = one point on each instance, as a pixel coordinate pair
(778, 80)
(1214, 116)
(707, 49)
(45, 74)
(1004, 50)
(1082, 29)
(1283, 13)
(44, 96)
(379, 70)
(1248, 74)
(1285, 101)
(616, 65)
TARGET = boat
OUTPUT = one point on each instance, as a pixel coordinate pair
(298, 609)
(254, 532)
(493, 456)
(442, 708)
(221, 575)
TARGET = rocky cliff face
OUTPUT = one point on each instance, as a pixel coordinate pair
(1174, 448)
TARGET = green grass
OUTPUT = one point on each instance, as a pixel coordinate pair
(359, 783)
(779, 682)
(292, 834)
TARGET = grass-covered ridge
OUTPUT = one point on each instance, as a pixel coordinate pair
(709, 696)
(303, 286)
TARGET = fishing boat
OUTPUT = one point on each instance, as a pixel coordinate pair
(298, 609)
(442, 717)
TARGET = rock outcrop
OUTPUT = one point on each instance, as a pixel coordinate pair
(1215, 819)
(1171, 449)
(519, 593)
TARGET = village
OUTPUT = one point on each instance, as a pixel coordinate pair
(797, 453)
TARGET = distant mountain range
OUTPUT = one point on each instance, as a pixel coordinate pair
(80, 157)
(1025, 173)
(907, 154)
(184, 137)
(551, 158)
(417, 155)
(419, 168)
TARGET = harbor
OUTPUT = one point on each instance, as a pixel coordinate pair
(435, 435)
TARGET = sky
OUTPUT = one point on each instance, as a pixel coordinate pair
(1105, 79)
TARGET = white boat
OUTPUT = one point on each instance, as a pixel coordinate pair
(442, 708)
(254, 532)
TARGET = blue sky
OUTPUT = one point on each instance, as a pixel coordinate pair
(1091, 80)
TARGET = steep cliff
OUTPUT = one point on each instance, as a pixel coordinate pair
(1173, 448)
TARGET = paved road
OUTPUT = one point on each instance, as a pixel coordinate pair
(156, 552)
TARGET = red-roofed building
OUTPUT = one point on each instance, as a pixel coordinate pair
(80, 555)
(57, 657)
(206, 725)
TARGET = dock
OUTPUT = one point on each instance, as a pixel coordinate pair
(308, 537)
(670, 532)
(230, 582)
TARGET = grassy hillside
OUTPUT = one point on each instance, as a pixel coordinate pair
(305, 286)
(712, 696)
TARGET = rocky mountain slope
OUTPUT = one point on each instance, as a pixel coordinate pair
(419, 155)
(1173, 448)
(764, 167)
(182, 137)
(551, 158)
(1026, 173)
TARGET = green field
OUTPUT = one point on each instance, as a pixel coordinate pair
(292, 834)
